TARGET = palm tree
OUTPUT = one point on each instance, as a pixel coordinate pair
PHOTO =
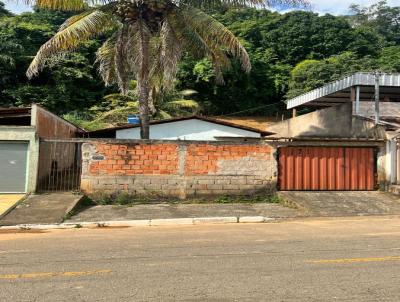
(117, 106)
(148, 38)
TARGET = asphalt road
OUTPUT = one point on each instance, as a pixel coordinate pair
(354, 259)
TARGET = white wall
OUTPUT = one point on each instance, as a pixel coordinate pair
(187, 130)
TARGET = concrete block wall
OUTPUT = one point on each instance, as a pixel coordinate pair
(178, 168)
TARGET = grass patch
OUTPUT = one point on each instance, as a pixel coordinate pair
(125, 199)
(229, 199)
(84, 203)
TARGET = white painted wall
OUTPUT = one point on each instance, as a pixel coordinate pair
(187, 130)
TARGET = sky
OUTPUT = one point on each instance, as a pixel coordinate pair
(335, 7)
(341, 7)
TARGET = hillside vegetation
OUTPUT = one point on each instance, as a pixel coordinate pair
(290, 53)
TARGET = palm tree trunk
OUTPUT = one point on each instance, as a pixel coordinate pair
(143, 82)
(152, 100)
(144, 110)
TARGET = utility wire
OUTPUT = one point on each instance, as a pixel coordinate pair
(250, 109)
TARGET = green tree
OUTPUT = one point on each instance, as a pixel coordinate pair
(379, 17)
(3, 11)
(389, 59)
(275, 43)
(20, 38)
(310, 74)
(148, 40)
(115, 108)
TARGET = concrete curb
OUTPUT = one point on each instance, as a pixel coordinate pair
(73, 205)
(141, 223)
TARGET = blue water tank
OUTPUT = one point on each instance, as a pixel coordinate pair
(133, 119)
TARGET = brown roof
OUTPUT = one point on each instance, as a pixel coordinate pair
(16, 111)
(111, 131)
(256, 122)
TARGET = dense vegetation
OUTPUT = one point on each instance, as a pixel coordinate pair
(290, 54)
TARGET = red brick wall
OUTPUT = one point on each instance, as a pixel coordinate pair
(122, 159)
(202, 159)
(178, 168)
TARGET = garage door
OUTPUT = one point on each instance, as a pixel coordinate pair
(326, 168)
(13, 166)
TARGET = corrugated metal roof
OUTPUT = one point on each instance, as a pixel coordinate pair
(357, 79)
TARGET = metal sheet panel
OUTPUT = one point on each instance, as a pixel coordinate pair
(13, 167)
(326, 168)
(360, 78)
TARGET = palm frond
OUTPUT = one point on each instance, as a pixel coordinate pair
(182, 104)
(66, 5)
(118, 97)
(105, 57)
(206, 4)
(163, 115)
(201, 48)
(118, 115)
(171, 53)
(70, 21)
(123, 64)
(70, 38)
(216, 36)
(141, 54)
(188, 92)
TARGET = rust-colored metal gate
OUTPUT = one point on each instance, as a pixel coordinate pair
(326, 168)
(60, 166)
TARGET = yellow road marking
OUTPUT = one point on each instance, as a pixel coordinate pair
(54, 274)
(355, 260)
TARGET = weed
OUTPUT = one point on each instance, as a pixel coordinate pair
(126, 199)
(101, 198)
(68, 216)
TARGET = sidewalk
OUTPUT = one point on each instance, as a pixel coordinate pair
(42, 208)
(173, 211)
(8, 201)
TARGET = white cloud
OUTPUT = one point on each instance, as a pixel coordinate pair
(335, 7)
(17, 6)
(340, 7)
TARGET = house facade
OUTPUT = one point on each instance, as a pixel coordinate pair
(347, 143)
(193, 128)
(21, 130)
(350, 142)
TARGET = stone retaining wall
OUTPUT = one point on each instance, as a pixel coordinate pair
(178, 168)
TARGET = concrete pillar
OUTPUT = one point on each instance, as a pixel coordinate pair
(393, 161)
(182, 153)
(358, 100)
(353, 99)
(377, 76)
(34, 146)
(382, 167)
(398, 162)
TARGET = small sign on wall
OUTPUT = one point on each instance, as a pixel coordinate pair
(98, 157)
